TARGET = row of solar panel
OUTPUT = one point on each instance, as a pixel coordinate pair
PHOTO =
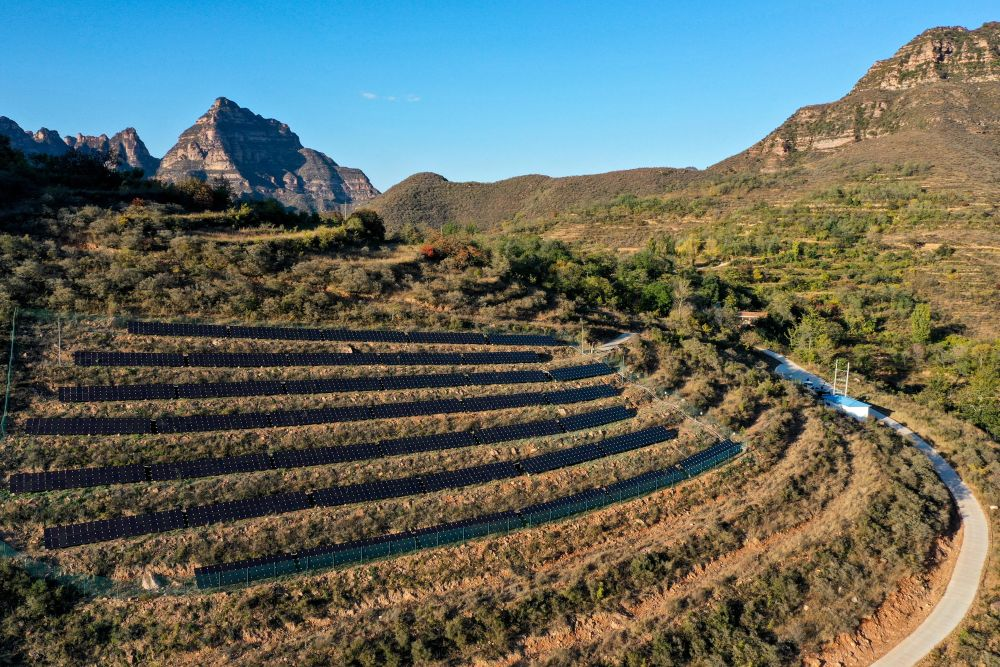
(143, 392)
(364, 550)
(259, 420)
(341, 335)
(54, 480)
(284, 359)
(200, 515)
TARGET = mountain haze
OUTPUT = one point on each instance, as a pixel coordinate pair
(261, 157)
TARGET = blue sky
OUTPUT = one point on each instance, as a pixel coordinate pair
(471, 90)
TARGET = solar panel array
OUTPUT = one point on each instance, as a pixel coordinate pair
(201, 515)
(87, 426)
(279, 418)
(143, 392)
(78, 478)
(381, 546)
(34, 482)
(340, 335)
(580, 372)
(710, 457)
(286, 359)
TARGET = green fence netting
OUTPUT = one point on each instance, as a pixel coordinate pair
(402, 543)
(10, 374)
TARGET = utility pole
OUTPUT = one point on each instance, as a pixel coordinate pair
(838, 375)
(59, 344)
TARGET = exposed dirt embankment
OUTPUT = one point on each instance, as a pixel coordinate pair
(903, 610)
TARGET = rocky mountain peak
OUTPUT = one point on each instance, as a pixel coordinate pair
(940, 81)
(261, 157)
(939, 54)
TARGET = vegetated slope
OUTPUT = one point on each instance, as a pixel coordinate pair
(840, 538)
(430, 199)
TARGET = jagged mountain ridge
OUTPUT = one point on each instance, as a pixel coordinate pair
(130, 149)
(261, 157)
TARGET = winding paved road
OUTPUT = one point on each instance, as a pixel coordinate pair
(961, 591)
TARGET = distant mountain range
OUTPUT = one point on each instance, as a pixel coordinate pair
(258, 157)
(132, 153)
(936, 101)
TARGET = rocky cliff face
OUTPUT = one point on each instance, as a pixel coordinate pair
(261, 157)
(939, 54)
(126, 145)
(939, 80)
(44, 141)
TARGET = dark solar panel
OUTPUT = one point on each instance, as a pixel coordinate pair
(429, 532)
(447, 337)
(564, 506)
(720, 449)
(560, 459)
(58, 537)
(518, 431)
(651, 479)
(138, 392)
(368, 491)
(210, 466)
(202, 515)
(596, 418)
(87, 426)
(584, 394)
(90, 358)
(176, 329)
(53, 480)
(630, 441)
(502, 402)
(568, 373)
(429, 358)
(481, 474)
(335, 385)
(296, 458)
(426, 443)
(470, 358)
(507, 377)
(523, 339)
(391, 382)
(417, 408)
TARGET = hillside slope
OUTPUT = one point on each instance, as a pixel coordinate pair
(431, 199)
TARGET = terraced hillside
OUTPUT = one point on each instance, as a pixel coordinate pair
(823, 540)
(805, 515)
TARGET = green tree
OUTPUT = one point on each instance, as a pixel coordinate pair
(920, 323)
(369, 223)
(815, 338)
